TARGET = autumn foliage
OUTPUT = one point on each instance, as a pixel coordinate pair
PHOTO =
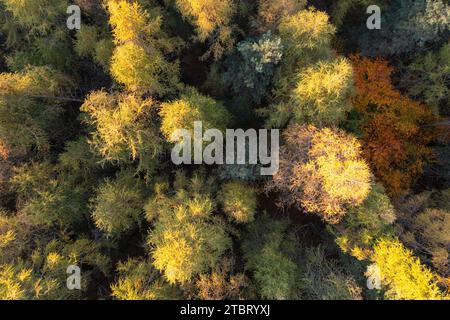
(321, 171)
(394, 132)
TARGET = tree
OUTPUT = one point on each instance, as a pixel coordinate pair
(35, 15)
(139, 60)
(342, 7)
(118, 205)
(38, 34)
(124, 129)
(322, 93)
(393, 127)
(19, 237)
(408, 26)
(251, 68)
(364, 225)
(50, 196)
(267, 250)
(27, 120)
(306, 38)
(138, 280)
(239, 201)
(45, 277)
(90, 42)
(423, 226)
(427, 78)
(78, 159)
(402, 274)
(321, 171)
(192, 106)
(222, 283)
(322, 278)
(212, 19)
(270, 12)
(187, 239)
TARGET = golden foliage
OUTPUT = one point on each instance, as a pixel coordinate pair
(321, 171)
(323, 91)
(139, 60)
(124, 130)
(402, 274)
(207, 15)
(192, 106)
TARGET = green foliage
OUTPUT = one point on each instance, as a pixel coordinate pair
(124, 130)
(192, 106)
(45, 277)
(270, 12)
(49, 196)
(39, 16)
(138, 280)
(78, 158)
(79, 154)
(322, 93)
(342, 7)
(428, 78)
(408, 26)
(267, 249)
(363, 225)
(324, 279)
(118, 205)
(212, 19)
(187, 238)
(239, 201)
(139, 60)
(36, 30)
(19, 237)
(207, 15)
(309, 85)
(86, 41)
(251, 68)
(306, 37)
(28, 111)
(91, 43)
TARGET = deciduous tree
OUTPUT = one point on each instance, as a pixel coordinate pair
(187, 239)
(394, 127)
(321, 171)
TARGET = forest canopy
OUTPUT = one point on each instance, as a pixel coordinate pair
(358, 207)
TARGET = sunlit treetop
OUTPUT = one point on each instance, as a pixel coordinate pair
(207, 15)
(321, 171)
(306, 35)
(270, 12)
(187, 239)
(139, 280)
(402, 274)
(139, 60)
(192, 106)
(124, 128)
